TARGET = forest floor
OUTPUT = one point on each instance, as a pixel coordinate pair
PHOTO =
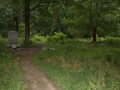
(35, 78)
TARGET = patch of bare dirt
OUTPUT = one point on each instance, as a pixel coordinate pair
(35, 78)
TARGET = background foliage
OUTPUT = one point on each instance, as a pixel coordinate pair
(76, 19)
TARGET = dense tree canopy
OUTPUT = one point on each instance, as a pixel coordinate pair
(76, 18)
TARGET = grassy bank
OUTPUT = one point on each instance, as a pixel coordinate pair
(81, 65)
(11, 76)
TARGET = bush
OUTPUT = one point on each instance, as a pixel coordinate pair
(73, 32)
(58, 36)
(37, 38)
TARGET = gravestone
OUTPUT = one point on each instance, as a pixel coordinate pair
(13, 39)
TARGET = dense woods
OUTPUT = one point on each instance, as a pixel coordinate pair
(75, 18)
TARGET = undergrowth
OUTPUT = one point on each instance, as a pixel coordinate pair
(78, 65)
(11, 76)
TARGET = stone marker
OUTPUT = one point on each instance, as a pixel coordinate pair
(13, 39)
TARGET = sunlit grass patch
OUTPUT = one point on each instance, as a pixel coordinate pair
(78, 65)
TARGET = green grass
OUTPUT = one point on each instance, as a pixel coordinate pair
(81, 65)
(11, 76)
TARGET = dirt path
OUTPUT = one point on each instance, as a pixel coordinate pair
(35, 78)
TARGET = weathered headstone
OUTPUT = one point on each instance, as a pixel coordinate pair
(13, 39)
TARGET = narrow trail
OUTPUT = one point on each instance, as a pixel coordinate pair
(35, 78)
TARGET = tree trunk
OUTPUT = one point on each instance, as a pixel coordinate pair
(16, 22)
(94, 34)
(27, 23)
(51, 31)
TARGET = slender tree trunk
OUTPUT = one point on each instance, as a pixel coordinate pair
(27, 23)
(51, 32)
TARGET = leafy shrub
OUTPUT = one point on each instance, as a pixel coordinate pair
(73, 32)
(34, 40)
(37, 38)
(58, 36)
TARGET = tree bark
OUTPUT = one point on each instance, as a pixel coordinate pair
(94, 34)
(27, 21)
(16, 22)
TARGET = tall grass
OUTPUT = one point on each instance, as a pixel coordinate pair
(76, 65)
(11, 76)
(110, 41)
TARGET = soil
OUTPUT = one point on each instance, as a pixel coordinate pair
(35, 78)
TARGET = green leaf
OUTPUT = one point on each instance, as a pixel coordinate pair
(92, 85)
